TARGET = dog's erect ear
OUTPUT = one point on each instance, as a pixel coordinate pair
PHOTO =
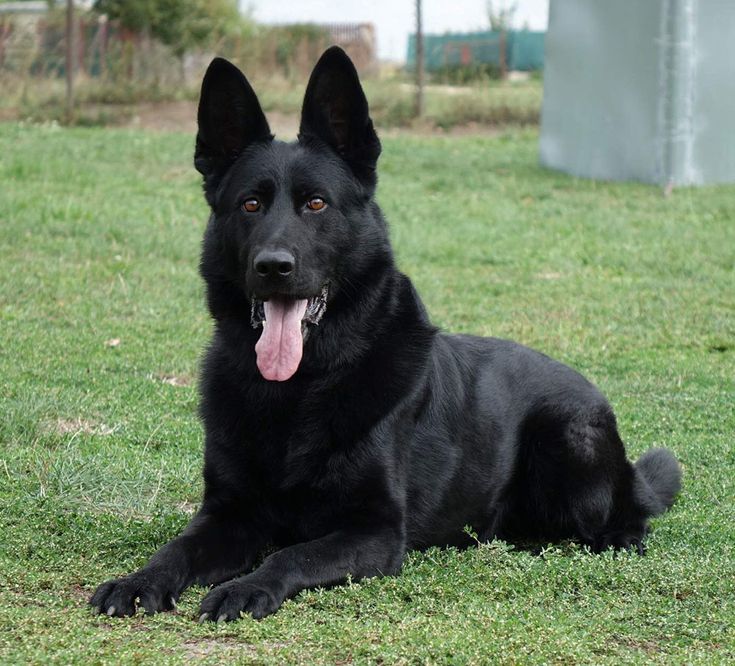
(230, 119)
(335, 112)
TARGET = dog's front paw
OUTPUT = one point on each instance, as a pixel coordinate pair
(228, 601)
(122, 596)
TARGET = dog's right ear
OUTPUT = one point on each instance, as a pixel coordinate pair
(229, 118)
(335, 112)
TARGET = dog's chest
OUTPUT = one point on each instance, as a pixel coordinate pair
(313, 487)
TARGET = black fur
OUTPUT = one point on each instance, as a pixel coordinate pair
(391, 435)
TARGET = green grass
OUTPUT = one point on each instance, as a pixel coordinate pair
(100, 443)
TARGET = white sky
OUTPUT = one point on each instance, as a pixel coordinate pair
(395, 19)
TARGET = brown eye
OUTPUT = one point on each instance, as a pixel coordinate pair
(251, 205)
(316, 203)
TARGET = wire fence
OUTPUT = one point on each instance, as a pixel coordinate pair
(112, 64)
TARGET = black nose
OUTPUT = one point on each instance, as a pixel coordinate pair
(274, 263)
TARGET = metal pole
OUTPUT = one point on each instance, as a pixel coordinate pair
(503, 54)
(70, 60)
(419, 62)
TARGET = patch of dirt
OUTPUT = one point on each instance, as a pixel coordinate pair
(451, 91)
(189, 508)
(226, 647)
(79, 593)
(426, 128)
(175, 380)
(7, 114)
(648, 646)
(165, 116)
(79, 426)
(180, 116)
(205, 647)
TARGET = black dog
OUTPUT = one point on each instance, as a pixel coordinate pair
(341, 428)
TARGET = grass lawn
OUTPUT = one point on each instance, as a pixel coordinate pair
(102, 322)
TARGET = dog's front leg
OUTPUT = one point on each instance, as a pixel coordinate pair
(325, 561)
(213, 547)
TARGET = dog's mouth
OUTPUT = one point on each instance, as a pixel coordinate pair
(285, 323)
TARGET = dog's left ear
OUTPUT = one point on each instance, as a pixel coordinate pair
(230, 119)
(335, 112)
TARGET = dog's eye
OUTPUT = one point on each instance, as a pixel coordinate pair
(316, 203)
(251, 205)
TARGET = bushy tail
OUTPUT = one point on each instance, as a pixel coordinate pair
(659, 476)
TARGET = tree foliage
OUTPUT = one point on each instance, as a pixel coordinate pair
(180, 24)
(501, 14)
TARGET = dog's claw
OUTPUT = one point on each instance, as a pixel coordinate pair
(173, 603)
(222, 618)
(111, 611)
(203, 618)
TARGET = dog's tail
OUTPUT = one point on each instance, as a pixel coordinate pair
(658, 480)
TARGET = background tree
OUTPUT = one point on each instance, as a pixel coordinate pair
(180, 24)
(501, 14)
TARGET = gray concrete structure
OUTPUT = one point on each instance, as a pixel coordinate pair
(641, 90)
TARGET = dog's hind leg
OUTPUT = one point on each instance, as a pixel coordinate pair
(600, 494)
(564, 478)
(572, 480)
(648, 489)
(612, 505)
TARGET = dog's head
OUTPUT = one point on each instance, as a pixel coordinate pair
(292, 224)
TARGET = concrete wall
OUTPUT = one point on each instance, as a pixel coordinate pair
(641, 90)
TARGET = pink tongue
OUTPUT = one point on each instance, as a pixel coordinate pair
(281, 345)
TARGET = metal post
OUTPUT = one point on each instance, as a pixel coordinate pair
(419, 62)
(503, 54)
(70, 59)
